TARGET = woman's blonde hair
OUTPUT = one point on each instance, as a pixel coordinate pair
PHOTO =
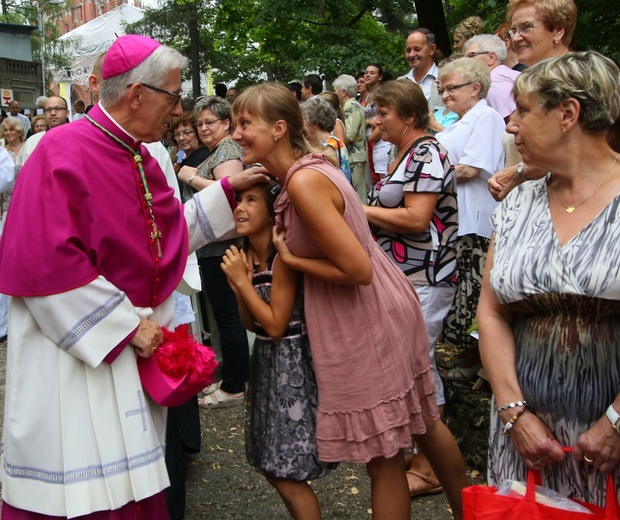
(36, 119)
(13, 123)
(556, 14)
(589, 77)
(471, 26)
(273, 102)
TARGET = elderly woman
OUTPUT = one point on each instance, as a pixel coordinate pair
(214, 122)
(355, 125)
(319, 120)
(413, 216)
(14, 135)
(474, 145)
(332, 98)
(38, 124)
(185, 136)
(467, 29)
(549, 311)
(540, 29)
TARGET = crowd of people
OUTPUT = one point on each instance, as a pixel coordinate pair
(349, 229)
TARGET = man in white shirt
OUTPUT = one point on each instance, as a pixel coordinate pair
(14, 111)
(419, 51)
(55, 112)
(79, 108)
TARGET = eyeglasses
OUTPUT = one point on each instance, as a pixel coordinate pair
(453, 88)
(522, 29)
(49, 110)
(473, 54)
(177, 97)
(200, 124)
(184, 134)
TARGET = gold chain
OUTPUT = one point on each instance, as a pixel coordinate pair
(570, 209)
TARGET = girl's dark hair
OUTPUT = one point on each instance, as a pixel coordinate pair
(270, 191)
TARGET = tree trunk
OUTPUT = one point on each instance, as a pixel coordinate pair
(431, 15)
(195, 48)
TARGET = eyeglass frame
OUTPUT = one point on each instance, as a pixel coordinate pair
(207, 123)
(525, 28)
(185, 134)
(49, 110)
(473, 54)
(177, 97)
(453, 88)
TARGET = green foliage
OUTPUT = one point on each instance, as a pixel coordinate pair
(253, 40)
(598, 25)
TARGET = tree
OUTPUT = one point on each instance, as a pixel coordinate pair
(249, 41)
(597, 29)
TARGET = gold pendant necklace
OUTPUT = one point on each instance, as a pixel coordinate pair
(570, 209)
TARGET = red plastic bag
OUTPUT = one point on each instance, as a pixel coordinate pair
(483, 503)
(180, 368)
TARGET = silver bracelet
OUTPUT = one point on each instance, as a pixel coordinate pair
(508, 426)
(510, 405)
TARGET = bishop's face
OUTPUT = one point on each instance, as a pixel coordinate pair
(158, 108)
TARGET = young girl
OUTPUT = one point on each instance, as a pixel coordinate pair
(282, 402)
(366, 328)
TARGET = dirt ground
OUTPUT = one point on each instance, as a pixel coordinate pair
(220, 483)
(222, 486)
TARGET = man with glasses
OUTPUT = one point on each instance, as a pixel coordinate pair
(55, 113)
(491, 51)
(92, 249)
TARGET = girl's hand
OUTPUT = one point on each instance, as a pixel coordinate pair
(235, 266)
(534, 441)
(147, 339)
(279, 240)
(599, 446)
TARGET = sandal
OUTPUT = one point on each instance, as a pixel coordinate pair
(218, 399)
(428, 487)
(211, 388)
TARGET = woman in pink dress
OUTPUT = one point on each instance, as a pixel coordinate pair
(375, 382)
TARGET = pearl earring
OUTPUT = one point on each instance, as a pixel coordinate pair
(275, 139)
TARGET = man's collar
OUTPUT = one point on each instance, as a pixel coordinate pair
(107, 114)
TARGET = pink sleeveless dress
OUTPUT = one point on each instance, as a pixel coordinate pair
(368, 342)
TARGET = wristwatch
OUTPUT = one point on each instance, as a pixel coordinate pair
(520, 170)
(614, 417)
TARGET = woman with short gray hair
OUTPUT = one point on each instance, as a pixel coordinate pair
(355, 125)
(319, 120)
(549, 311)
(474, 145)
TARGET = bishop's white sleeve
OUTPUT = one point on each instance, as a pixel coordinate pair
(209, 217)
(87, 322)
(7, 169)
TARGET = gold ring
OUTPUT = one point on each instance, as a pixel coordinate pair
(536, 462)
(587, 459)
